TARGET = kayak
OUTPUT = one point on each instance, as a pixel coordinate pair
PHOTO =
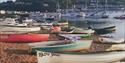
(23, 37)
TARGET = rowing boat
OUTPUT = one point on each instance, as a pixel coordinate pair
(75, 36)
(110, 40)
(98, 57)
(116, 47)
(19, 29)
(64, 46)
(86, 31)
(23, 37)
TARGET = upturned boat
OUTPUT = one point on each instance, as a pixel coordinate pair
(23, 37)
(58, 46)
(98, 57)
(110, 40)
(19, 29)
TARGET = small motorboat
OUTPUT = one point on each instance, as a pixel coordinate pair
(120, 17)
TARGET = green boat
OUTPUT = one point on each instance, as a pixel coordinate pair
(68, 46)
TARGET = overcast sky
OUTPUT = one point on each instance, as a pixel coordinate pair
(4, 0)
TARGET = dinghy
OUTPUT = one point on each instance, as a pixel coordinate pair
(75, 36)
(98, 57)
(80, 30)
(79, 45)
(19, 29)
(16, 25)
(116, 47)
(105, 29)
(110, 40)
(23, 37)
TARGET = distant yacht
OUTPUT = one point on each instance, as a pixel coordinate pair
(71, 13)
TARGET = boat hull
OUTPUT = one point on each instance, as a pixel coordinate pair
(23, 37)
(103, 57)
(19, 29)
(72, 46)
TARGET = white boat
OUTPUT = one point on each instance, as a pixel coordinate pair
(116, 47)
(110, 40)
(102, 57)
(19, 29)
(80, 30)
(12, 22)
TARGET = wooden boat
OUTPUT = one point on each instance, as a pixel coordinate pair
(19, 29)
(98, 57)
(69, 36)
(116, 47)
(23, 37)
(105, 29)
(16, 25)
(64, 46)
(79, 30)
(110, 40)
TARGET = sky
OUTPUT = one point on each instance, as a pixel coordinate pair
(5, 0)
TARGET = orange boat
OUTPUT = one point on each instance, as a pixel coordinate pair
(23, 37)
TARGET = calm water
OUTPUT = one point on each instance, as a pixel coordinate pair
(120, 25)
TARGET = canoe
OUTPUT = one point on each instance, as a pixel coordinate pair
(23, 37)
(70, 46)
(71, 36)
(19, 29)
(116, 47)
(98, 57)
(110, 40)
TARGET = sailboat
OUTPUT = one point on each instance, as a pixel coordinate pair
(97, 14)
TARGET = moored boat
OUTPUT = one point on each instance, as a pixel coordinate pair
(98, 57)
(69, 46)
(23, 37)
(120, 17)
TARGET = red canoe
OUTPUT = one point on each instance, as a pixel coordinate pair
(23, 37)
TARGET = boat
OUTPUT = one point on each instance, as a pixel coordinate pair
(85, 31)
(19, 29)
(120, 17)
(110, 40)
(23, 37)
(75, 36)
(69, 46)
(116, 47)
(16, 25)
(104, 29)
(12, 22)
(98, 57)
